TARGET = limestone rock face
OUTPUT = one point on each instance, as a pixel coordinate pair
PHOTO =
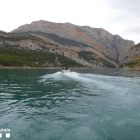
(133, 55)
(92, 47)
(1, 44)
(98, 39)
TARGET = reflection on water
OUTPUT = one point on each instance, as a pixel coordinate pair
(84, 104)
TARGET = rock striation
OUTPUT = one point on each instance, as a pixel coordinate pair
(93, 47)
(96, 38)
(133, 56)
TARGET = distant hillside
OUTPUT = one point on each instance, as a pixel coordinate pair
(133, 57)
(102, 44)
(28, 50)
(40, 44)
(91, 47)
(24, 58)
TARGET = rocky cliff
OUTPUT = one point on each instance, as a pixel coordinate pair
(133, 57)
(33, 43)
(93, 47)
(42, 53)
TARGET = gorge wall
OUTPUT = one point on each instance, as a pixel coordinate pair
(133, 57)
(92, 47)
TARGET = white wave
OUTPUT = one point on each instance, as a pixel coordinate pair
(55, 76)
(91, 81)
(118, 78)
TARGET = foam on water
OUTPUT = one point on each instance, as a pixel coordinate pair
(99, 81)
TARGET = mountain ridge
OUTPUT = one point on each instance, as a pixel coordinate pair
(70, 24)
(103, 47)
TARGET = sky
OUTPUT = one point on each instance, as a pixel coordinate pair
(120, 17)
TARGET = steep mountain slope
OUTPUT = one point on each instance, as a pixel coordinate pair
(133, 57)
(28, 50)
(110, 47)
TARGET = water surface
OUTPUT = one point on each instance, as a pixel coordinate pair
(39, 104)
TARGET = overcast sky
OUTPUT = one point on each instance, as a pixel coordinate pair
(120, 17)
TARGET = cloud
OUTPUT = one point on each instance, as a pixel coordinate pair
(120, 17)
(125, 17)
(130, 5)
(135, 30)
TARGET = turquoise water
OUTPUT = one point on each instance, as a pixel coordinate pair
(39, 104)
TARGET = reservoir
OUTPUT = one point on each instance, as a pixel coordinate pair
(84, 104)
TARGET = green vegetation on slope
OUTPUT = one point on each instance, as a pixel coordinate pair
(9, 57)
(133, 64)
(130, 65)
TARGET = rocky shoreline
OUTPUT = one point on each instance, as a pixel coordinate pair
(4, 67)
(133, 69)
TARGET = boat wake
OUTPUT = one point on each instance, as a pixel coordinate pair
(94, 81)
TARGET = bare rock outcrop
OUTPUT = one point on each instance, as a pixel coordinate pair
(113, 46)
(133, 56)
(92, 47)
(1, 44)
